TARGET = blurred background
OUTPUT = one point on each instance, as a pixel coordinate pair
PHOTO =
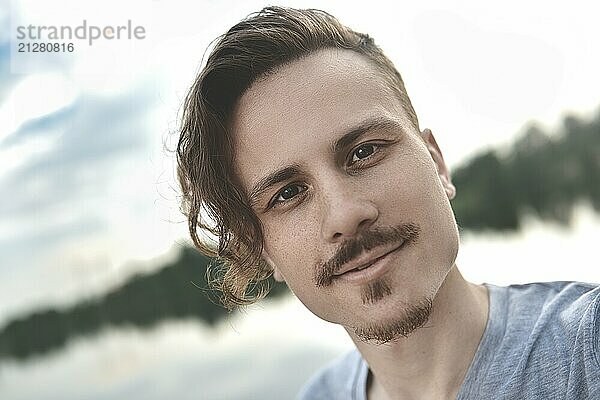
(101, 296)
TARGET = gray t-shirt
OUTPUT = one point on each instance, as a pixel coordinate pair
(541, 341)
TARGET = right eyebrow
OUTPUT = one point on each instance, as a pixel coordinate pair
(272, 179)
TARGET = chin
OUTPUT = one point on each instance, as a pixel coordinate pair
(396, 325)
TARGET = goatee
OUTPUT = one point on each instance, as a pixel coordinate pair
(375, 291)
(413, 318)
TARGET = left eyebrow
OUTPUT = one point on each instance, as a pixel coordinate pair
(281, 175)
(362, 128)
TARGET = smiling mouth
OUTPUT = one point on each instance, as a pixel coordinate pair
(371, 270)
(365, 266)
(355, 256)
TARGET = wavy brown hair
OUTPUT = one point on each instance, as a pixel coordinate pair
(220, 220)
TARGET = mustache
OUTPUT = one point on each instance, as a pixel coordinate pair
(354, 247)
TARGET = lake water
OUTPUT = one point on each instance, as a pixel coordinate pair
(268, 351)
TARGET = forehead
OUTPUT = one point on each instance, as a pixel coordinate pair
(303, 104)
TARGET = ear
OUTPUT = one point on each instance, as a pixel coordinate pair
(442, 169)
(276, 273)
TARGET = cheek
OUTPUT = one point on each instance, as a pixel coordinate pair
(416, 195)
(294, 251)
(406, 186)
(291, 241)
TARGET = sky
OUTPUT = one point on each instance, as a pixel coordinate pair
(87, 179)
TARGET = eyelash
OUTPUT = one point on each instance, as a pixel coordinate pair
(275, 203)
(376, 148)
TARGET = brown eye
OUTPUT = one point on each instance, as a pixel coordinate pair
(363, 151)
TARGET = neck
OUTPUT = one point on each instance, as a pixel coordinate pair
(431, 363)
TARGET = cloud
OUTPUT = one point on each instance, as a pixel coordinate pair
(62, 194)
(7, 80)
(63, 201)
(17, 250)
(89, 137)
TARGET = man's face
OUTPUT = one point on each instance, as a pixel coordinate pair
(340, 180)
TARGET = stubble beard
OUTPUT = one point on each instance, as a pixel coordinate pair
(411, 319)
(413, 316)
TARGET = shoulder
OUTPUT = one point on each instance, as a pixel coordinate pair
(541, 341)
(552, 289)
(337, 380)
(569, 299)
(567, 310)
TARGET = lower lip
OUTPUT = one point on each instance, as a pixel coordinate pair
(374, 271)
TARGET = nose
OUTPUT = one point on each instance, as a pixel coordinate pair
(346, 212)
